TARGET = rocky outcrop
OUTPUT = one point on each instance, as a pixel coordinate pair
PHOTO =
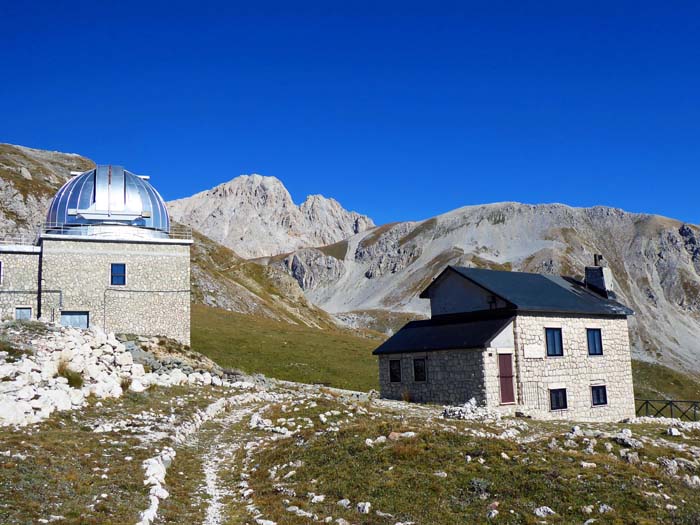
(28, 180)
(57, 370)
(255, 216)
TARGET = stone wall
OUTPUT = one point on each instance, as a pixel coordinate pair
(575, 371)
(20, 277)
(154, 301)
(453, 377)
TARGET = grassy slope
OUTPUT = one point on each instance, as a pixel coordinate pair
(344, 360)
(653, 381)
(285, 351)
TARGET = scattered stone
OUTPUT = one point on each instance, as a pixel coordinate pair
(543, 512)
(364, 507)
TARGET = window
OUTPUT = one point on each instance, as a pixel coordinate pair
(554, 346)
(419, 370)
(23, 313)
(75, 319)
(599, 395)
(395, 371)
(595, 341)
(557, 399)
(118, 277)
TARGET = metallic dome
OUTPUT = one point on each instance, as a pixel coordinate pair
(108, 196)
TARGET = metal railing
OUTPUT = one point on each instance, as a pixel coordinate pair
(177, 231)
(26, 240)
(689, 410)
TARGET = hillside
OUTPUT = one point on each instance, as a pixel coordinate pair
(29, 179)
(655, 261)
(255, 216)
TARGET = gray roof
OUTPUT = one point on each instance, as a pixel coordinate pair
(534, 292)
(108, 195)
(457, 332)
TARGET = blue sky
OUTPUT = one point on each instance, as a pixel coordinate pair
(398, 110)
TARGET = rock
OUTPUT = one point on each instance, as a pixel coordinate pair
(543, 512)
(14, 412)
(692, 481)
(8, 371)
(491, 514)
(670, 466)
(440, 474)
(625, 439)
(395, 436)
(588, 509)
(345, 503)
(632, 458)
(364, 507)
(604, 508)
(123, 359)
(673, 431)
(137, 370)
(60, 399)
(137, 386)
(585, 464)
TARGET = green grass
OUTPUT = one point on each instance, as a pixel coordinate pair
(285, 351)
(654, 381)
(399, 477)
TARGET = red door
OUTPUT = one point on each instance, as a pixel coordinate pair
(505, 373)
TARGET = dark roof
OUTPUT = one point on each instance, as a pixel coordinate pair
(534, 292)
(446, 333)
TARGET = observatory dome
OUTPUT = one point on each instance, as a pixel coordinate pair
(103, 200)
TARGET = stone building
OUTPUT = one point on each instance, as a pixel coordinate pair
(547, 346)
(107, 256)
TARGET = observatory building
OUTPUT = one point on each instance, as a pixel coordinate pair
(107, 256)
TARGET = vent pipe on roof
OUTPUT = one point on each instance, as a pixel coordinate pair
(599, 278)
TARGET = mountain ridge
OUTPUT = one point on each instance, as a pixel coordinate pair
(256, 216)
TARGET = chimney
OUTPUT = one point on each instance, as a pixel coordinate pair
(599, 277)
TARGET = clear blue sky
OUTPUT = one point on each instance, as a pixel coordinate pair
(401, 111)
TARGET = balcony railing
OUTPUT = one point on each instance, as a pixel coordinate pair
(26, 240)
(177, 231)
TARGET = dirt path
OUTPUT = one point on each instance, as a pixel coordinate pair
(222, 450)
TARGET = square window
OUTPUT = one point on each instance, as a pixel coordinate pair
(557, 399)
(395, 370)
(595, 341)
(599, 395)
(118, 274)
(419, 372)
(554, 344)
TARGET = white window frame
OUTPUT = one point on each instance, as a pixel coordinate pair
(126, 277)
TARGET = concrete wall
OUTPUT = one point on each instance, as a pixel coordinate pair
(575, 370)
(19, 282)
(155, 300)
(453, 377)
(455, 294)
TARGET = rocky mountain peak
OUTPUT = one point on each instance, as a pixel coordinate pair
(256, 216)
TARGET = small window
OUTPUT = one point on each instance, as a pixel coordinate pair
(75, 319)
(557, 399)
(23, 313)
(419, 370)
(599, 395)
(554, 346)
(395, 371)
(118, 274)
(595, 341)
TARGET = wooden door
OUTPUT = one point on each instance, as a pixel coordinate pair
(505, 373)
